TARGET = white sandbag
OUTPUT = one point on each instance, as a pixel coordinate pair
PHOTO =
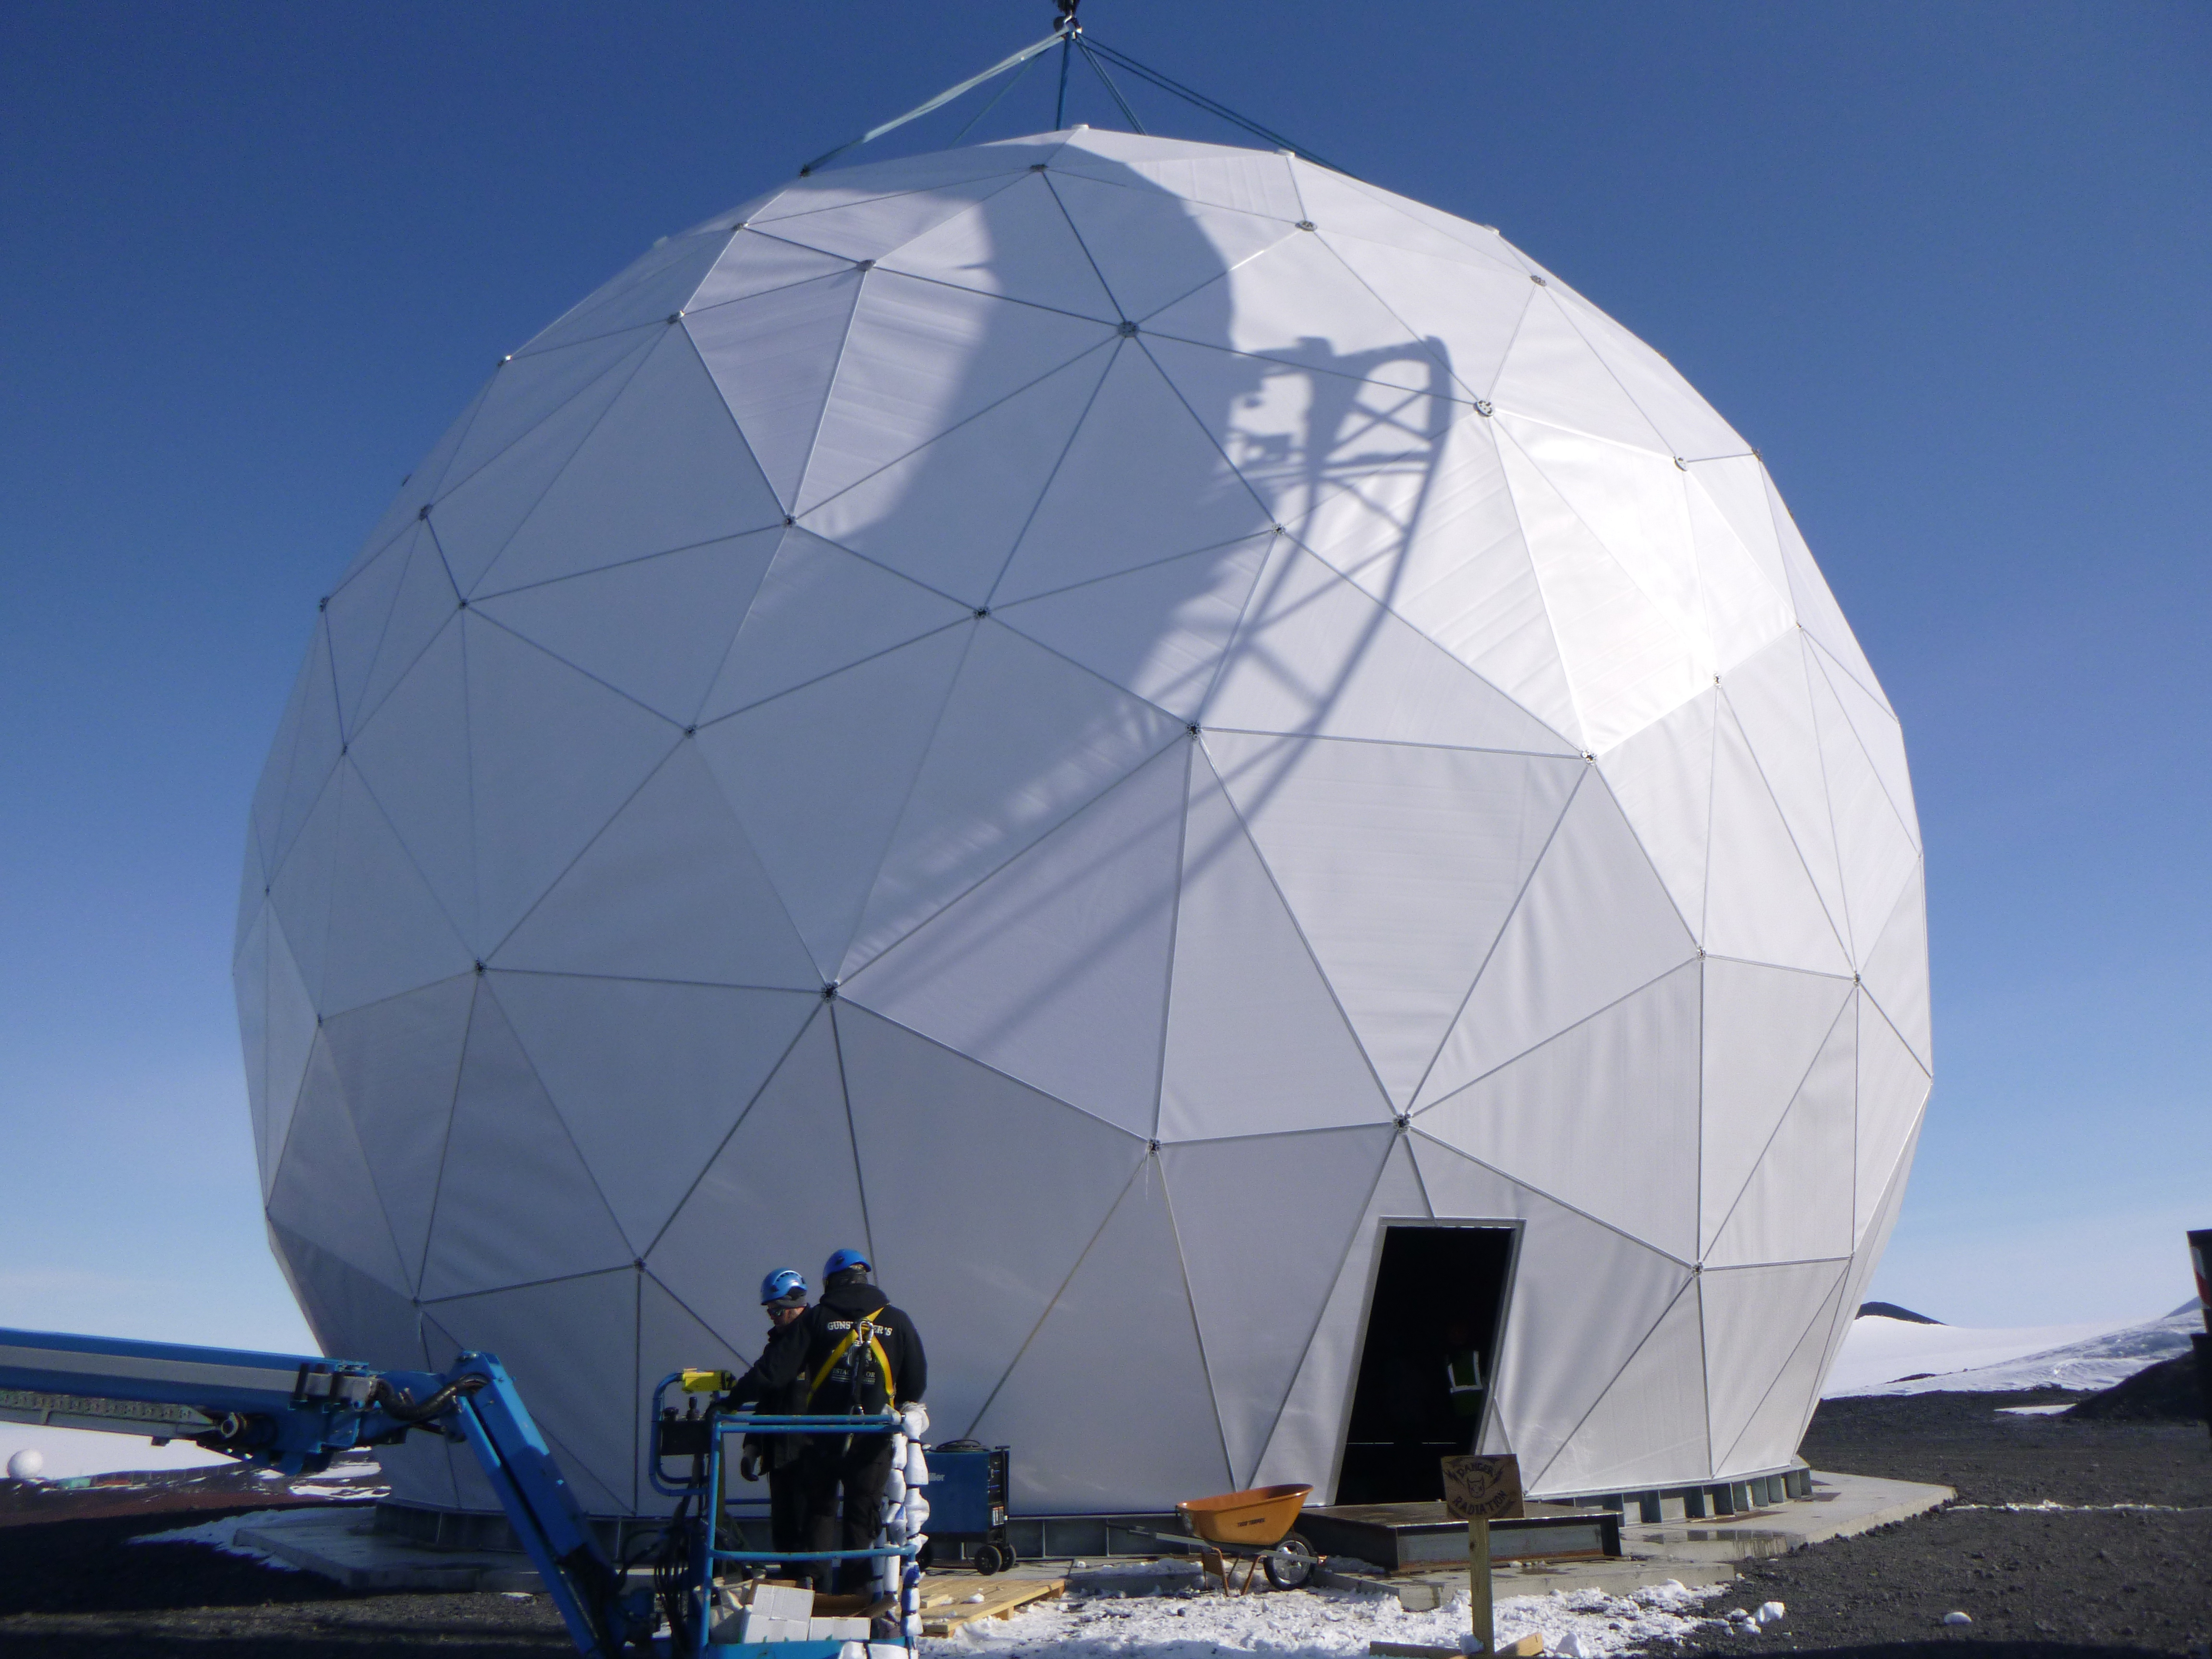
(917, 1466)
(916, 1512)
(895, 1487)
(915, 1419)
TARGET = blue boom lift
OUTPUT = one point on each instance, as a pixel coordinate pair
(294, 1412)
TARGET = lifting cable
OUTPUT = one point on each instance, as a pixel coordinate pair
(1068, 36)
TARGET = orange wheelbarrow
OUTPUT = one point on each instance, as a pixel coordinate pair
(1253, 1527)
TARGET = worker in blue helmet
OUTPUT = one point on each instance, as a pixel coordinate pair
(861, 1354)
(781, 1456)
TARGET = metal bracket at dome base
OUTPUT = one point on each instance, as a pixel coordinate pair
(1067, 34)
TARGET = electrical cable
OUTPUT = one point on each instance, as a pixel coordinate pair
(1099, 69)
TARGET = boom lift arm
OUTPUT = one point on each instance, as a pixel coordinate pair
(294, 1412)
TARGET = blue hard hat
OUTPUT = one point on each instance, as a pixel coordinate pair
(843, 1259)
(783, 1282)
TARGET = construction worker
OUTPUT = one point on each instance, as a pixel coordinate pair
(862, 1354)
(783, 1299)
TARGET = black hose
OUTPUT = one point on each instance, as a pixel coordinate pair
(400, 1409)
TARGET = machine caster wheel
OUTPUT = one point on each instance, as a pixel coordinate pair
(988, 1560)
(1290, 1563)
(1007, 1556)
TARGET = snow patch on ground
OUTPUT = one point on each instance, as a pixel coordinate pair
(1879, 1354)
(1308, 1623)
(221, 1534)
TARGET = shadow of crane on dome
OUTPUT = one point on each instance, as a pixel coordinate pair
(1311, 435)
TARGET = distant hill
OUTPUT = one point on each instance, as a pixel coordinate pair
(2190, 1306)
(1890, 1310)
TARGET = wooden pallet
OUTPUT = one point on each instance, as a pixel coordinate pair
(943, 1611)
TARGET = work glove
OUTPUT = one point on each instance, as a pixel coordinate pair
(749, 1466)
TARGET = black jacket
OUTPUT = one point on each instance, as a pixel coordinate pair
(774, 1382)
(787, 1369)
(786, 1399)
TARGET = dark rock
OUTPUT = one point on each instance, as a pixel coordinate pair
(2164, 1393)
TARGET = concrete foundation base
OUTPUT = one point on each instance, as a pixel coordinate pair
(346, 1545)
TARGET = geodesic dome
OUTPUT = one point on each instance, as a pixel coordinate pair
(1100, 718)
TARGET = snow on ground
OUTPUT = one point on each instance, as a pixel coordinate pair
(71, 1452)
(1303, 1622)
(222, 1534)
(1879, 1354)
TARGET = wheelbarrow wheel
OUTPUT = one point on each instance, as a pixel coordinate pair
(1290, 1563)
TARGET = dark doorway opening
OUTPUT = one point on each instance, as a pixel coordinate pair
(1440, 1293)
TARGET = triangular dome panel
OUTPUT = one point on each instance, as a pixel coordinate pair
(1059, 1174)
(664, 468)
(514, 1203)
(1893, 1092)
(387, 933)
(414, 756)
(1152, 249)
(580, 1395)
(1026, 739)
(1256, 1042)
(1307, 1436)
(1650, 1424)
(773, 357)
(1270, 301)
(672, 890)
(1158, 631)
(552, 757)
(400, 1066)
(1290, 1202)
(820, 609)
(1633, 1068)
(656, 287)
(1552, 376)
(1664, 779)
(1401, 864)
(528, 388)
(1795, 1207)
(1141, 482)
(922, 358)
(1761, 904)
(947, 514)
(1016, 244)
(1584, 1294)
(1896, 970)
(821, 849)
(475, 519)
(1773, 707)
(1593, 925)
(1468, 310)
(1055, 969)
(655, 628)
(1315, 654)
(1084, 1393)
(324, 1191)
(758, 262)
(1764, 1029)
(1769, 1440)
(783, 1191)
(1627, 660)
(1754, 1318)
(650, 1078)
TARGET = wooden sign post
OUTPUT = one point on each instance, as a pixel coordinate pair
(1478, 1491)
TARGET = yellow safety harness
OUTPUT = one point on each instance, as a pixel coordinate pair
(864, 1329)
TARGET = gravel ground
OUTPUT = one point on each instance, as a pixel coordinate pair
(2068, 1534)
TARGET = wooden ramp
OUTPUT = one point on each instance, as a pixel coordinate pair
(945, 1608)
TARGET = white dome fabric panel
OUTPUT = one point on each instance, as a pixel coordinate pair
(1100, 718)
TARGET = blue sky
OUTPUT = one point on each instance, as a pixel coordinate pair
(1946, 265)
